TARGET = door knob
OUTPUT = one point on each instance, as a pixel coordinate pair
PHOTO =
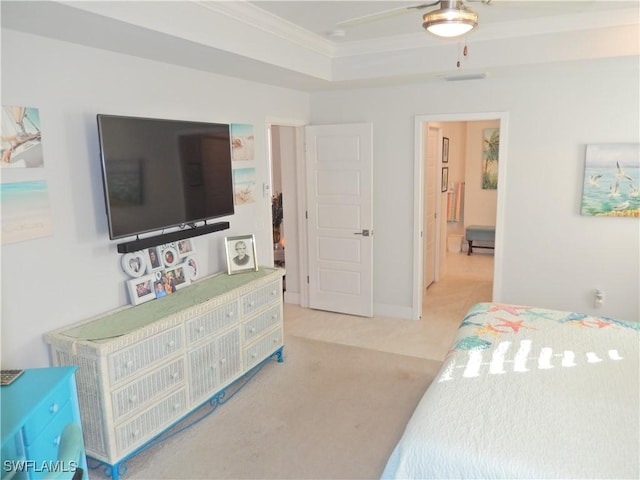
(364, 233)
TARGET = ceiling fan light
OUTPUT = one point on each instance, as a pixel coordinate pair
(450, 22)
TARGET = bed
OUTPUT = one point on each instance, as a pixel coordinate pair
(486, 234)
(528, 393)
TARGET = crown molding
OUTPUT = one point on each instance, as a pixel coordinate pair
(256, 17)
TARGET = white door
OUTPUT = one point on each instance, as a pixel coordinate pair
(340, 217)
(431, 191)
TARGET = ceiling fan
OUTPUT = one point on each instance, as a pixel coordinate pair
(452, 19)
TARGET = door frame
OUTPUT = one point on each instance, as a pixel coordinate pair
(301, 175)
(425, 127)
(418, 198)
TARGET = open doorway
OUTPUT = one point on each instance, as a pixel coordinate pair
(459, 160)
(285, 151)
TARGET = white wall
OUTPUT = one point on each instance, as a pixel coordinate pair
(552, 256)
(74, 274)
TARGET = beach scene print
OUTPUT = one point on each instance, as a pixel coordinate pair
(26, 213)
(21, 137)
(242, 142)
(612, 180)
(244, 184)
(490, 149)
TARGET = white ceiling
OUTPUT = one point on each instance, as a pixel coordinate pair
(322, 17)
(287, 43)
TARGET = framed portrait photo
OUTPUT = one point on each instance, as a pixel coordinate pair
(185, 248)
(178, 276)
(241, 254)
(154, 259)
(134, 264)
(141, 289)
(168, 255)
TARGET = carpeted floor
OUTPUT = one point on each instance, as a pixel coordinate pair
(329, 411)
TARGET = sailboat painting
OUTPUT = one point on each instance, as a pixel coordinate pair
(612, 180)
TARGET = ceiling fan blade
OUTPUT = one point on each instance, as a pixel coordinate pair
(352, 22)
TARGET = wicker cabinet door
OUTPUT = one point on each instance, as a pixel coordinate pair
(203, 372)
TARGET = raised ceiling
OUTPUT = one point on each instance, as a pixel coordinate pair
(290, 43)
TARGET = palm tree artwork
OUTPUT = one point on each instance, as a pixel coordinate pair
(490, 149)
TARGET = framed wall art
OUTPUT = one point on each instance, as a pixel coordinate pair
(445, 179)
(241, 254)
(611, 186)
(445, 150)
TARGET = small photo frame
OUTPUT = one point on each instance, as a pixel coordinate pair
(185, 248)
(178, 277)
(445, 179)
(241, 254)
(134, 264)
(445, 150)
(154, 259)
(141, 289)
(191, 267)
(169, 255)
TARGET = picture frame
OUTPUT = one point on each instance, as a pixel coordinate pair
(445, 150)
(186, 247)
(141, 289)
(178, 276)
(192, 267)
(241, 254)
(169, 255)
(611, 178)
(134, 264)
(445, 179)
(154, 259)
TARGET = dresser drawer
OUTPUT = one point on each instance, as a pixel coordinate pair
(152, 385)
(212, 321)
(261, 297)
(128, 361)
(260, 350)
(45, 445)
(139, 429)
(52, 406)
(256, 326)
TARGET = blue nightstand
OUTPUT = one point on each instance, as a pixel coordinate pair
(40, 426)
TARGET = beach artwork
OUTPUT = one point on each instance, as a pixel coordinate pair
(612, 180)
(26, 213)
(490, 149)
(242, 142)
(244, 184)
(21, 137)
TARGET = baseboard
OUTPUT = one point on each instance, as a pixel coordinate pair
(292, 297)
(394, 311)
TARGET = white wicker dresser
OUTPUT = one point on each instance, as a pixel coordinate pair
(143, 369)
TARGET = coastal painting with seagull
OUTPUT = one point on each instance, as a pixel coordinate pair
(612, 180)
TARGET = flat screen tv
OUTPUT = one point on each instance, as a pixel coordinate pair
(159, 173)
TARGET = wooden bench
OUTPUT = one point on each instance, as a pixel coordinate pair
(480, 233)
